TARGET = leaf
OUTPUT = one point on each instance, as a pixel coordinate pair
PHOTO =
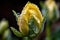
(17, 33)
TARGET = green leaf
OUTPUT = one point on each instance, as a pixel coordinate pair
(17, 33)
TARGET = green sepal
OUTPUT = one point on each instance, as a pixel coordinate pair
(43, 23)
(33, 28)
(26, 38)
(17, 33)
(16, 15)
(32, 35)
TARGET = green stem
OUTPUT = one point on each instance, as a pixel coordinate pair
(48, 30)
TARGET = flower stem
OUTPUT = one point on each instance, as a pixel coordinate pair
(48, 30)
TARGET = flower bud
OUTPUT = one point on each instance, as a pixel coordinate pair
(7, 35)
(29, 11)
(51, 10)
(3, 25)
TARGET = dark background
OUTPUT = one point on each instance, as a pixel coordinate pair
(6, 7)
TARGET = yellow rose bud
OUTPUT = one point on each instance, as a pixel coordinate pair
(30, 10)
